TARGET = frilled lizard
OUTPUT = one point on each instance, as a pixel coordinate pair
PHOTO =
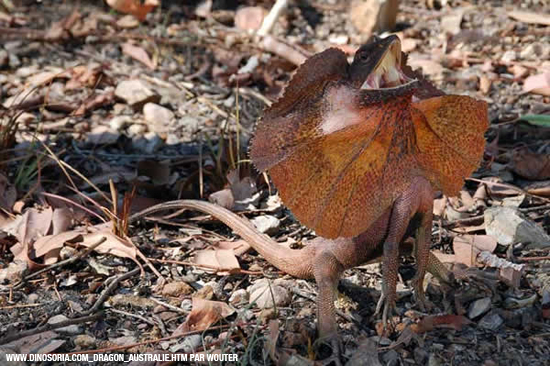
(356, 152)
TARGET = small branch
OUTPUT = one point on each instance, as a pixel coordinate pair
(47, 327)
(105, 294)
(271, 18)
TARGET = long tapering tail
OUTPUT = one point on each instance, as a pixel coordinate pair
(296, 262)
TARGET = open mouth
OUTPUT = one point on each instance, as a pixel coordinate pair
(387, 73)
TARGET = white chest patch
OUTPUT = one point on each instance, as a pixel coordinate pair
(340, 112)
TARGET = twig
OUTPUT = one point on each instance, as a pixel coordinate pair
(65, 262)
(174, 336)
(150, 322)
(47, 327)
(168, 306)
(271, 18)
(496, 184)
(19, 306)
(105, 294)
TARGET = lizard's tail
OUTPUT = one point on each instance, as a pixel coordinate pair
(296, 262)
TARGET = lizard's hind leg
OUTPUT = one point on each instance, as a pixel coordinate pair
(327, 271)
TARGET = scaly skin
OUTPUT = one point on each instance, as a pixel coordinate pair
(326, 259)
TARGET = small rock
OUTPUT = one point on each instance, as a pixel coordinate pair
(491, 321)
(451, 23)
(479, 307)
(132, 300)
(157, 117)
(519, 71)
(32, 298)
(267, 314)
(117, 123)
(148, 143)
(266, 294)
(189, 344)
(14, 272)
(509, 56)
(136, 93)
(531, 52)
(84, 341)
(70, 329)
(206, 292)
(508, 226)
(339, 39)
(250, 17)
(25, 118)
(4, 350)
(176, 289)
(4, 59)
(15, 62)
(137, 129)
(369, 16)
(366, 354)
(128, 22)
(102, 135)
(124, 340)
(239, 296)
(266, 224)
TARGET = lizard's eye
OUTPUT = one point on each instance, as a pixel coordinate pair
(363, 56)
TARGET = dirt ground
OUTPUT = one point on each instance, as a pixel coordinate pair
(103, 115)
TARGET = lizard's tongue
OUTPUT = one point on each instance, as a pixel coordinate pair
(387, 74)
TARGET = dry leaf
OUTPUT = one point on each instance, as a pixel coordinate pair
(158, 172)
(444, 321)
(250, 17)
(467, 247)
(239, 247)
(203, 314)
(221, 261)
(138, 54)
(538, 84)
(530, 17)
(134, 7)
(530, 165)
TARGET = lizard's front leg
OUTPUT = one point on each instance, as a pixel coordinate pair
(423, 232)
(397, 226)
(422, 255)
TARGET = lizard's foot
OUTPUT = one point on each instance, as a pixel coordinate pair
(330, 348)
(387, 306)
(420, 297)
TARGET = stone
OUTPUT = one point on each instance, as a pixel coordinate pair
(266, 294)
(69, 329)
(157, 117)
(117, 123)
(135, 93)
(479, 307)
(176, 289)
(266, 224)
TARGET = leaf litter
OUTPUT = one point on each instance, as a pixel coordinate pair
(78, 77)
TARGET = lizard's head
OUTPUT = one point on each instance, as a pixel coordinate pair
(377, 65)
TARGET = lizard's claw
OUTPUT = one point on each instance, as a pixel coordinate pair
(420, 297)
(389, 307)
(335, 345)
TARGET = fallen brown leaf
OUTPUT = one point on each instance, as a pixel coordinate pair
(134, 7)
(538, 84)
(530, 165)
(203, 314)
(138, 54)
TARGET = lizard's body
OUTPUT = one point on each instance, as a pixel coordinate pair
(356, 151)
(325, 259)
